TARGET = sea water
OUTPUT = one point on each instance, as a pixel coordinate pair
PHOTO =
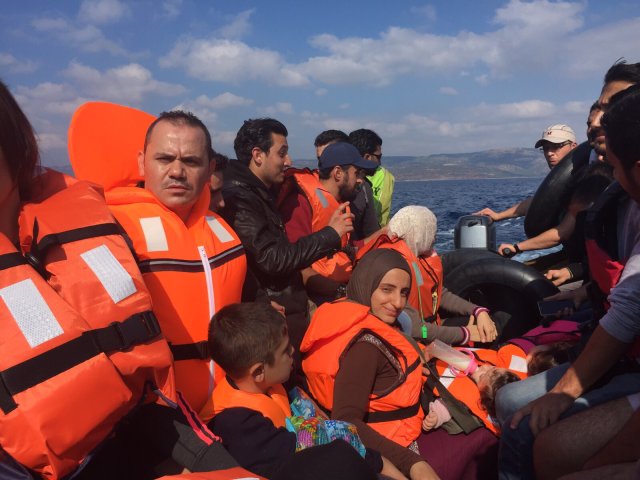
(451, 199)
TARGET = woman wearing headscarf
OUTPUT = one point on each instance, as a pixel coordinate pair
(412, 233)
(362, 368)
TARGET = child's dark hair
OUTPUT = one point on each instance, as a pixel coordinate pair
(243, 334)
(544, 357)
(499, 378)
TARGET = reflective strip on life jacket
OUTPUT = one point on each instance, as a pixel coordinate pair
(192, 268)
(83, 337)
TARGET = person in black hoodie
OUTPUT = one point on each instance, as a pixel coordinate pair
(274, 264)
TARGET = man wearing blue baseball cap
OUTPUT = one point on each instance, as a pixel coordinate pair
(307, 203)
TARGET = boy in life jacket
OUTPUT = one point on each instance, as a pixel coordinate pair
(253, 415)
(307, 202)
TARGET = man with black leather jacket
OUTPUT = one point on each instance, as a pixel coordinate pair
(250, 189)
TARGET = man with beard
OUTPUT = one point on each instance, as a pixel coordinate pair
(540, 401)
(307, 202)
(274, 263)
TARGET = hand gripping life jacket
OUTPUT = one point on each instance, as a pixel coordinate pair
(464, 388)
(192, 270)
(79, 345)
(323, 204)
(275, 405)
(426, 276)
(334, 328)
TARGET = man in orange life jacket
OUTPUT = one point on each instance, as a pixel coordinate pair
(87, 350)
(308, 208)
(192, 261)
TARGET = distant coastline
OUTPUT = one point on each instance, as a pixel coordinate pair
(486, 165)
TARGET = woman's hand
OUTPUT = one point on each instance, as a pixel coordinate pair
(422, 471)
(486, 327)
(482, 329)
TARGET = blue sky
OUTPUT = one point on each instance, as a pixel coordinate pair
(439, 77)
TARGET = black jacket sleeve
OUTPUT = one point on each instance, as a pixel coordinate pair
(253, 440)
(265, 241)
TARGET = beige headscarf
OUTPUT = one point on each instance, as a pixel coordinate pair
(369, 271)
(417, 226)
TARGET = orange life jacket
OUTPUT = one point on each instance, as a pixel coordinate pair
(192, 270)
(333, 329)
(274, 405)
(464, 388)
(79, 342)
(426, 276)
(236, 473)
(323, 204)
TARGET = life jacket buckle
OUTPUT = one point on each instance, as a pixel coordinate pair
(125, 343)
(150, 321)
(35, 263)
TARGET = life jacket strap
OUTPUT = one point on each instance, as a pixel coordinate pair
(190, 351)
(118, 336)
(11, 260)
(391, 415)
(39, 247)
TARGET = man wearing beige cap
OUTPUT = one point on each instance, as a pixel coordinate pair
(557, 140)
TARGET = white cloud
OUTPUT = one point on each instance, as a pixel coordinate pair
(171, 8)
(448, 91)
(13, 65)
(208, 116)
(344, 106)
(49, 98)
(527, 37)
(88, 38)
(277, 109)
(126, 84)
(427, 11)
(101, 12)
(52, 141)
(239, 25)
(534, 37)
(526, 109)
(231, 61)
(321, 91)
(224, 100)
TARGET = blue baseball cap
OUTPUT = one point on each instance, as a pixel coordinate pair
(343, 153)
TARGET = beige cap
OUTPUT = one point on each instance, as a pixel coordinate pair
(559, 133)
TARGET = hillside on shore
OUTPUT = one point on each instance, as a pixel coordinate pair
(498, 163)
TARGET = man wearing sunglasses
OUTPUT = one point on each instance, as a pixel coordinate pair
(557, 141)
